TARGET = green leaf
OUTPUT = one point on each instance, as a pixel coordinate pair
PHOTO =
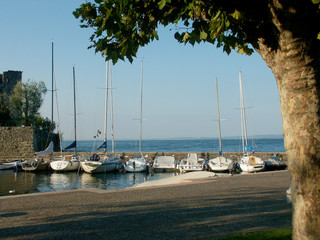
(186, 36)
(236, 14)
(162, 3)
(203, 35)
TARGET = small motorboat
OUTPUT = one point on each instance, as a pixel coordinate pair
(274, 163)
(165, 164)
(36, 165)
(136, 164)
(192, 163)
(8, 165)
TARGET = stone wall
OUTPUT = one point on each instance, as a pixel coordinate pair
(22, 142)
(16, 143)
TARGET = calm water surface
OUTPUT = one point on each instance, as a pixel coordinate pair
(27, 182)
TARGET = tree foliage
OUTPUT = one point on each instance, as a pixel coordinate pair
(26, 101)
(122, 26)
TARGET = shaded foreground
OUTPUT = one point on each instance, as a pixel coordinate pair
(208, 208)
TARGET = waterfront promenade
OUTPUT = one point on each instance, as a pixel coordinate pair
(207, 208)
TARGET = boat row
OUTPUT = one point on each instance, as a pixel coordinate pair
(109, 163)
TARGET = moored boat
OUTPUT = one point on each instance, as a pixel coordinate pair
(165, 164)
(69, 162)
(38, 164)
(8, 165)
(274, 163)
(110, 161)
(248, 163)
(136, 164)
(220, 163)
(66, 163)
(192, 163)
(96, 165)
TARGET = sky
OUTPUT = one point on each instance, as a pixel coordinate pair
(179, 93)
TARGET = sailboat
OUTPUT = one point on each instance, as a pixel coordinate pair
(220, 163)
(138, 164)
(248, 163)
(38, 163)
(110, 162)
(69, 162)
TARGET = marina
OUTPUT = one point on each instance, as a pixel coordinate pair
(22, 182)
(13, 183)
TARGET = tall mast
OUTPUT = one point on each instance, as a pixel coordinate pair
(106, 106)
(52, 87)
(74, 110)
(218, 116)
(141, 107)
(243, 116)
(111, 103)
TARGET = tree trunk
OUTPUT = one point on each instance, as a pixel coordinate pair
(295, 64)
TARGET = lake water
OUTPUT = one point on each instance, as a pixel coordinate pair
(25, 182)
(189, 145)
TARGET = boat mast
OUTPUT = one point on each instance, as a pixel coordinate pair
(74, 110)
(141, 108)
(106, 107)
(52, 87)
(218, 117)
(243, 116)
(111, 103)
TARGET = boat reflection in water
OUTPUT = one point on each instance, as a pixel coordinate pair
(27, 182)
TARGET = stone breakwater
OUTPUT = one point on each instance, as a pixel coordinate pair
(180, 155)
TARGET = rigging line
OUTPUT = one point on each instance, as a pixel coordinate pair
(59, 129)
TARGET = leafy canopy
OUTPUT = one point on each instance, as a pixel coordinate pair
(122, 26)
(26, 101)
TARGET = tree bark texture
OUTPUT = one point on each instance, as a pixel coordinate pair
(295, 64)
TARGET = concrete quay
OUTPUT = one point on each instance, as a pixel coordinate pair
(205, 208)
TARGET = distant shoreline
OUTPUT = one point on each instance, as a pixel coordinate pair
(275, 136)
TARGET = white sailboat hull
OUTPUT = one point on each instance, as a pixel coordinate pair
(221, 164)
(251, 164)
(66, 164)
(106, 165)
